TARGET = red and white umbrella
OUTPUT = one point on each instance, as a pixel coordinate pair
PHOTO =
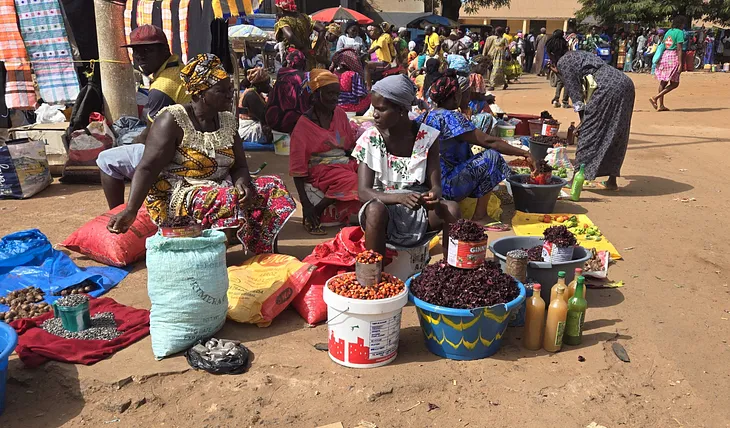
(341, 15)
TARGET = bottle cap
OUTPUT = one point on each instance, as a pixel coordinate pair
(561, 274)
(578, 271)
(536, 286)
(581, 278)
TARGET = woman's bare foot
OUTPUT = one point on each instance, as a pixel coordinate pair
(609, 184)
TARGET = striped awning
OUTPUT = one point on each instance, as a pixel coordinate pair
(234, 8)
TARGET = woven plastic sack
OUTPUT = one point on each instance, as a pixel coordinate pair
(84, 147)
(264, 286)
(96, 242)
(24, 169)
(187, 283)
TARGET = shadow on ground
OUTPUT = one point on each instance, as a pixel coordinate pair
(644, 185)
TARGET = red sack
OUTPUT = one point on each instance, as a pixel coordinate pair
(96, 242)
(331, 258)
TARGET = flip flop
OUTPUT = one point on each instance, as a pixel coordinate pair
(317, 231)
(663, 109)
(654, 104)
(602, 186)
(496, 226)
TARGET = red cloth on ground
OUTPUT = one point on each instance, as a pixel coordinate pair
(36, 346)
(331, 258)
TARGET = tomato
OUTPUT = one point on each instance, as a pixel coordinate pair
(547, 219)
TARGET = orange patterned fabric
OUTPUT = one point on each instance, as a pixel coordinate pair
(19, 89)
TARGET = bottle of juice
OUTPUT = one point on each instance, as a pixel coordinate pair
(578, 180)
(577, 306)
(555, 324)
(534, 319)
(571, 134)
(571, 287)
(561, 282)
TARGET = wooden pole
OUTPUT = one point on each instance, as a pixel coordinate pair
(117, 78)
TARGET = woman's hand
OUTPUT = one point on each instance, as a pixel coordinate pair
(430, 200)
(246, 192)
(120, 223)
(409, 199)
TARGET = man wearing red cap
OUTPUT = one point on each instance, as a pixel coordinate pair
(151, 55)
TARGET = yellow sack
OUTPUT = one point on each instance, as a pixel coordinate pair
(263, 287)
(494, 207)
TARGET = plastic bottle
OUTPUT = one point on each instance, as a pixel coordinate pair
(577, 187)
(534, 319)
(561, 282)
(571, 134)
(555, 324)
(577, 306)
(571, 287)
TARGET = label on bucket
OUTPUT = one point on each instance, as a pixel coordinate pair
(466, 255)
(549, 130)
(553, 254)
(356, 342)
(384, 338)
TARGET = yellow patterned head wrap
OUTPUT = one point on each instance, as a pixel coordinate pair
(257, 75)
(335, 29)
(319, 77)
(202, 72)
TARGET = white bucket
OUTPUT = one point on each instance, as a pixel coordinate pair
(551, 253)
(408, 261)
(363, 333)
(351, 114)
(282, 143)
(505, 131)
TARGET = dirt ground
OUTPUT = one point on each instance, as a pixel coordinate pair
(673, 316)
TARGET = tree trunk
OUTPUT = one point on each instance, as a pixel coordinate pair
(450, 9)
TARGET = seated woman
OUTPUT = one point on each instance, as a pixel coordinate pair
(194, 166)
(354, 96)
(288, 99)
(252, 107)
(464, 175)
(399, 179)
(321, 142)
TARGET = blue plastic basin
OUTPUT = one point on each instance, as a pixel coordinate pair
(8, 340)
(464, 334)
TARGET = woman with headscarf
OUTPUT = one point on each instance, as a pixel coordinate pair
(295, 29)
(354, 96)
(496, 48)
(540, 55)
(432, 74)
(399, 178)
(252, 107)
(604, 99)
(288, 99)
(194, 166)
(319, 162)
(463, 174)
(351, 39)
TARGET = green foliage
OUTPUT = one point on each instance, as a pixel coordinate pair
(654, 11)
(451, 8)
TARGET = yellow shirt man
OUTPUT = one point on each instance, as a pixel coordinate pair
(386, 53)
(432, 43)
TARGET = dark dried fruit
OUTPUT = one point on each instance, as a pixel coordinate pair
(467, 231)
(560, 236)
(534, 254)
(581, 359)
(444, 285)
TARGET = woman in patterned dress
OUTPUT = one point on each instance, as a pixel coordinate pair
(605, 114)
(295, 28)
(195, 167)
(399, 179)
(463, 174)
(496, 48)
(669, 68)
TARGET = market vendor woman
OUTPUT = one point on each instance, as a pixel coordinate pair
(399, 178)
(605, 107)
(194, 166)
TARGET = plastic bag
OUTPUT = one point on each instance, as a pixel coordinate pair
(50, 114)
(231, 365)
(95, 241)
(187, 282)
(83, 149)
(24, 169)
(264, 286)
(557, 158)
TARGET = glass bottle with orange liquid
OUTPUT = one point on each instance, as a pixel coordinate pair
(534, 319)
(561, 281)
(555, 324)
(570, 292)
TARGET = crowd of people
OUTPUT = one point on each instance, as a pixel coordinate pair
(429, 146)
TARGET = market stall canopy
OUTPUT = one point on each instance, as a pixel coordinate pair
(340, 14)
(228, 8)
(399, 19)
(248, 33)
(433, 20)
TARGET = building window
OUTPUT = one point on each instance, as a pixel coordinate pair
(536, 25)
(498, 23)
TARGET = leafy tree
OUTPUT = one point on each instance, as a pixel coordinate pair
(451, 8)
(654, 11)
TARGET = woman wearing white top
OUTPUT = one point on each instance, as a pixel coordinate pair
(351, 39)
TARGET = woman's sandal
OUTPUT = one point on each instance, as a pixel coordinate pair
(654, 104)
(317, 231)
(602, 186)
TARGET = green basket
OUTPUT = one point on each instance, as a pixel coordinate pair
(74, 318)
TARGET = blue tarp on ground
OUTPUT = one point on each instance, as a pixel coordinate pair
(28, 259)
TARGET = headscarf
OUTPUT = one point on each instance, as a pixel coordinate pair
(257, 75)
(411, 45)
(432, 73)
(287, 5)
(444, 87)
(458, 63)
(335, 29)
(296, 59)
(349, 58)
(202, 72)
(385, 27)
(319, 77)
(397, 89)
(349, 24)
(464, 83)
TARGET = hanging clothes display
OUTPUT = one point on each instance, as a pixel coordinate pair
(44, 34)
(19, 89)
(170, 15)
